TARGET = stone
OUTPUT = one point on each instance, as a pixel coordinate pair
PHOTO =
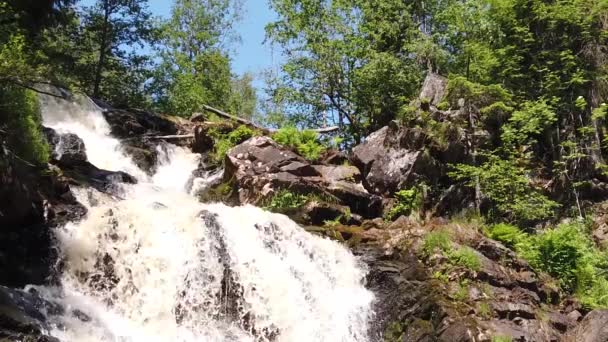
(393, 158)
(126, 124)
(261, 166)
(433, 88)
(593, 328)
(66, 148)
(22, 318)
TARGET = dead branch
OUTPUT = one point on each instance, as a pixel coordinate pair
(263, 129)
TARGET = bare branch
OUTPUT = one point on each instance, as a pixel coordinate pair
(263, 129)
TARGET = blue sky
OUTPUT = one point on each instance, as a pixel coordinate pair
(251, 55)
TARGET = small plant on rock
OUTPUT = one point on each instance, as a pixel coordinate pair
(305, 142)
(286, 200)
(508, 234)
(465, 257)
(224, 142)
(408, 200)
(436, 241)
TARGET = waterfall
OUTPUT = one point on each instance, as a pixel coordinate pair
(158, 265)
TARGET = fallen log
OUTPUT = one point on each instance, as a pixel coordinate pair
(170, 137)
(246, 122)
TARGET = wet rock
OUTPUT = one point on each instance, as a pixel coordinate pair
(32, 200)
(317, 213)
(22, 318)
(129, 123)
(70, 155)
(67, 148)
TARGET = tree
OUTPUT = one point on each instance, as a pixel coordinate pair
(194, 53)
(110, 26)
(243, 98)
(348, 62)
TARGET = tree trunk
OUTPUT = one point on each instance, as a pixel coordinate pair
(102, 51)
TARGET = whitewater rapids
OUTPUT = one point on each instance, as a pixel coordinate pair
(155, 264)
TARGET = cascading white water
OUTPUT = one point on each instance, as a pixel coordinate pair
(157, 265)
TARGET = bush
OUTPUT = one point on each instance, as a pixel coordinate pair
(465, 257)
(501, 339)
(508, 234)
(224, 142)
(20, 115)
(439, 240)
(561, 252)
(567, 253)
(305, 142)
(407, 201)
(506, 184)
(285, 200)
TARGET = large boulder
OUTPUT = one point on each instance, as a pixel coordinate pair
(69, 153)
(394, 158)
(67, 148)
(140, 132)
(260, 166)
(33, 199)
(593, 328)
(129, 123)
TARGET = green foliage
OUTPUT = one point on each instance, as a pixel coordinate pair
(462, 293)
(436, 241)
(110, 34)
(20, 116)
(484, 310)
(568, 253)
(407, 201)
(506, 184)
(305, 142)
(508, 234)
(243, 98)
(440, 241)
(562, 252)
(343, 63)
(500, 338)
(194, 60)
(224, 142)
(465, 257)
(286, 200)
(527, 123)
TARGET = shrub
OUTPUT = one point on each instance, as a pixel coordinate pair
(407, 201)
(305, 142)
(439, 240)
(567, 253)
(506, 184)
(224, 142)
(465, 257)
(508, 234)
(20, 113)
(561, 252)
(285, 200)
